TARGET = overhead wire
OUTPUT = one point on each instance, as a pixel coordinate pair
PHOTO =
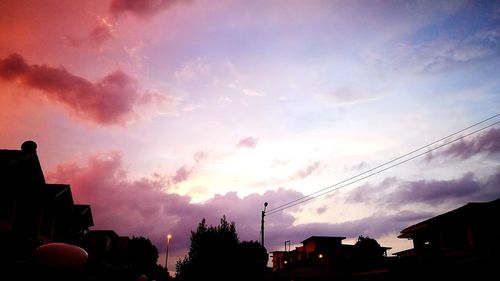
(348, 181)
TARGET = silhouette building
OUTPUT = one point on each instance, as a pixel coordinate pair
(461, 243)
(472, 230)
(325, 256)
(33, 212)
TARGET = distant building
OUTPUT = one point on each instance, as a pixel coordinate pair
(33, 212)
(323, 251)
(106, 246)
(108, 254)
(470, 232)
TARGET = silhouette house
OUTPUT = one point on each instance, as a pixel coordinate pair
(106, 246)
(470, 232)
(33, 212)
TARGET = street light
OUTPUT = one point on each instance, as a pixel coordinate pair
(169, 236)
(262, 225)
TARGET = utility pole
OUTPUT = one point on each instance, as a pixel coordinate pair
(262, 225)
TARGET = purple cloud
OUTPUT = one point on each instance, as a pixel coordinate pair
(435, 191)
(365, 192)
(182, 174)
(488, 143)
(143, 208)
(395, 193)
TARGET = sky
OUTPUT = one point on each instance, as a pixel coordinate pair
(161, 113)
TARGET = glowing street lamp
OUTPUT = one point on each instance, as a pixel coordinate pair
(169, 236)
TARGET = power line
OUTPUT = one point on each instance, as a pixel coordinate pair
(310, 197)
(330, 188)
(388, 162)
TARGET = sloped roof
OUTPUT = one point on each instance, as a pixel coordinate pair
(83, 215)
(9, 156)
(103, 233)
(55, 191)
(324, 238)
(472, 209)
(61, 193)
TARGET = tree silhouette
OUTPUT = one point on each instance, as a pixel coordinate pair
(368, 253)
(252, 257)
(369, 247)
(142, 257)
(216, 254)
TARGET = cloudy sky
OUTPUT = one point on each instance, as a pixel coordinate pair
(161, 113)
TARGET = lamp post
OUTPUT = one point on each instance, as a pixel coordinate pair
(169, 236)
(262, 225)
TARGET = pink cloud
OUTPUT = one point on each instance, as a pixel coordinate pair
(185, 171)
(109, 101)
(143, 208)
(300, 174)
(73, 41)
(358, 166)
(182, 174)
(130, 207)
(101, 32)
(153, 97)
(141, 8)
(248, 142)
(200, 156)
(321, 210)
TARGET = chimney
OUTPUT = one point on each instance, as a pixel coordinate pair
(28, 147)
